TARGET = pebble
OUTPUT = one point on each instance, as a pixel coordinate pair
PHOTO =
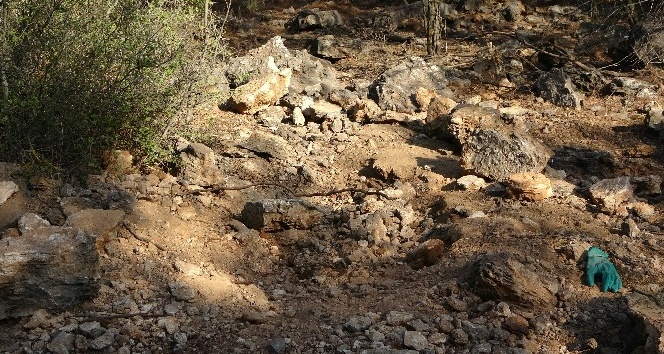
(169, 324)
(415, 340)
(396, 318)
(182, 291)
(277, 346)
(103, 341)
(357, 324)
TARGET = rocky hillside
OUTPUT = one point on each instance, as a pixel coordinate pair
(352, 195)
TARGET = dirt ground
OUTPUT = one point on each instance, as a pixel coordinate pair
(296, 290)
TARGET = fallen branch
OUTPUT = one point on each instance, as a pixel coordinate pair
(129, 228)
(220, 188)
(118, 316)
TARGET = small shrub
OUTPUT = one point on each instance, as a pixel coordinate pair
(83, 77)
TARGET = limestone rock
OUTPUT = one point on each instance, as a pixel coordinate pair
(46, 267)
(260, 93)
(629, 86)
(439, 107)
(499, 152)
(275, 214)
(556, 87)
(268, 145)
(327, 47)
(505, 278)
(654, 116)
(471, 182)
(394, 89)
(530, 186)
(7, 189)
(365, 110)
(314, 76)
(463, 121)
(609, 194)
(199, 165)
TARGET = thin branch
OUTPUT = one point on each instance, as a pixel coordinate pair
(219, 188)
(131, 230)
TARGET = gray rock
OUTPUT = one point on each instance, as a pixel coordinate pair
(476, 332)
(63, 343)
(395, 88)
(499, 152)
(357, 324)
(396, 318)
(199, 164)
(276, 346)
(274, 214)
(7, 189)
(327, 47)
(481, 348)
(556, 87)
(103, 341)
(311, 19)
(654, 116)
(628, 86)
(609, 194)
(91, 329)
(268, 145)
(47, 267)
(38, 319)
(505, 278)
(647, 40)
(459, 337)
(182, 291)
(415, 340)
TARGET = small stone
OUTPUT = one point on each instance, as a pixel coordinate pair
(643, 210)
(516, 324)
(188, 268)
(610, 193)
(254, 317)
(63, 343)
(426, 254)
(357, 324)
(91, 329)
(415, 340)
(396, 318)
(182, 291)
(169, 324)
(471, 182)
(456, 304)
(629, 228)
(103, 341)
(530, 186)
(298, 117)
(276, 346)
(459, 337)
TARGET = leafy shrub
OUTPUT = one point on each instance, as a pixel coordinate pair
(82, 77)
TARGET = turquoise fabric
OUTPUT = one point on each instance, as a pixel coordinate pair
(599, 264)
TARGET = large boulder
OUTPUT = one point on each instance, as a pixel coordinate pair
(395, 88)
(46, 267)
(279, 214)
(503, 277)
(501, 151)
(260, 93)
(310, 75)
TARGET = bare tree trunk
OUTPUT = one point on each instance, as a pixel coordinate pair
(3, 46)
(432, 24)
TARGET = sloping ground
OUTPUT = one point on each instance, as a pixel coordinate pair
(184, 274)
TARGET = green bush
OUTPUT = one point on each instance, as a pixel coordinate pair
(82, 77)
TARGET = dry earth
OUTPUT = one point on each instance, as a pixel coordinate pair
(180, 275)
